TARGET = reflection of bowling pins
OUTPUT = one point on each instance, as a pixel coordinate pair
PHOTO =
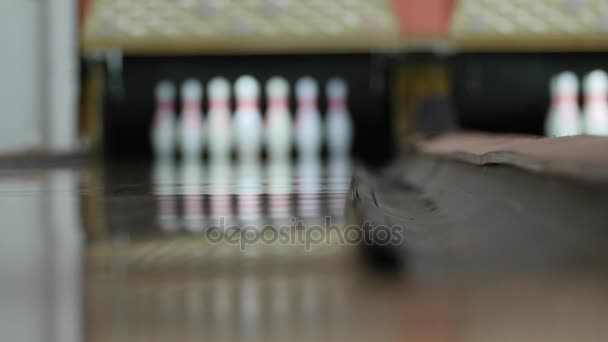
(220, 176)
(308, 120)
(163, 125)
(195, 308)
(191, 182)
(278, 119)
(249, 190)
(222, 289)
(168, 306)
(163, 181)
(219, 119)
(280, 306)
(250, 308)
(247, 119)
(595, 116)
(338, 181)
(311, 306)
(564, 114)
(309, 187)
(338, 305)
(339, 127)
(191, 124)
(279, 189)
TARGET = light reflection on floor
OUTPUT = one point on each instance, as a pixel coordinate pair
(119, 254)
(193, 194)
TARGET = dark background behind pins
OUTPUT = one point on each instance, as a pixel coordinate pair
(496, 92)
(128, 112)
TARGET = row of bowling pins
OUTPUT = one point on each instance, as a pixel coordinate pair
(246, 131)
(564, 117)
(319, 189)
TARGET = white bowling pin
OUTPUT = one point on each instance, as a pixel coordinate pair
(248, 126)
(278, 119)
(308, 119)
(219, 118)
(338, 123)
(595, 113)
(191, 124)
(564, 115)
(549, 119)
(163, 126)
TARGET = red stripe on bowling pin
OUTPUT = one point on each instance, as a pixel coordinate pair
(248, 104)
(559, 99)
(595, 99)
(337, 103)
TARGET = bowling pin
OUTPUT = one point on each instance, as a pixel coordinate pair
(278, 119)
(219, 118)
(308, 119)
(564, 115)
(338, 124)
(595, 113)
(248, 124)
(191, 124)
(163, 126)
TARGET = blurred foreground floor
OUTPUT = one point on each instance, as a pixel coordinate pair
(127, 252)
(124, 252)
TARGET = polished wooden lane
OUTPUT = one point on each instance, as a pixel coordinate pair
(117, 253)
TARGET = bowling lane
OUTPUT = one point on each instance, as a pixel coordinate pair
(163, 273)
(121, 252)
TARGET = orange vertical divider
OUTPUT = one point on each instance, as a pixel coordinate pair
(423, 17)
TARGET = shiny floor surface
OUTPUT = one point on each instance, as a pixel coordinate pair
(137, 251)
(142, 252)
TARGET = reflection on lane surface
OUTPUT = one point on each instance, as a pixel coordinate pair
(41, 257)
(174, 285)
(197, 194)
(165, 190)
(248, 190)
(119, 286)
(309, 182)
(279, 189)
(192, 192)
(218, 187)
